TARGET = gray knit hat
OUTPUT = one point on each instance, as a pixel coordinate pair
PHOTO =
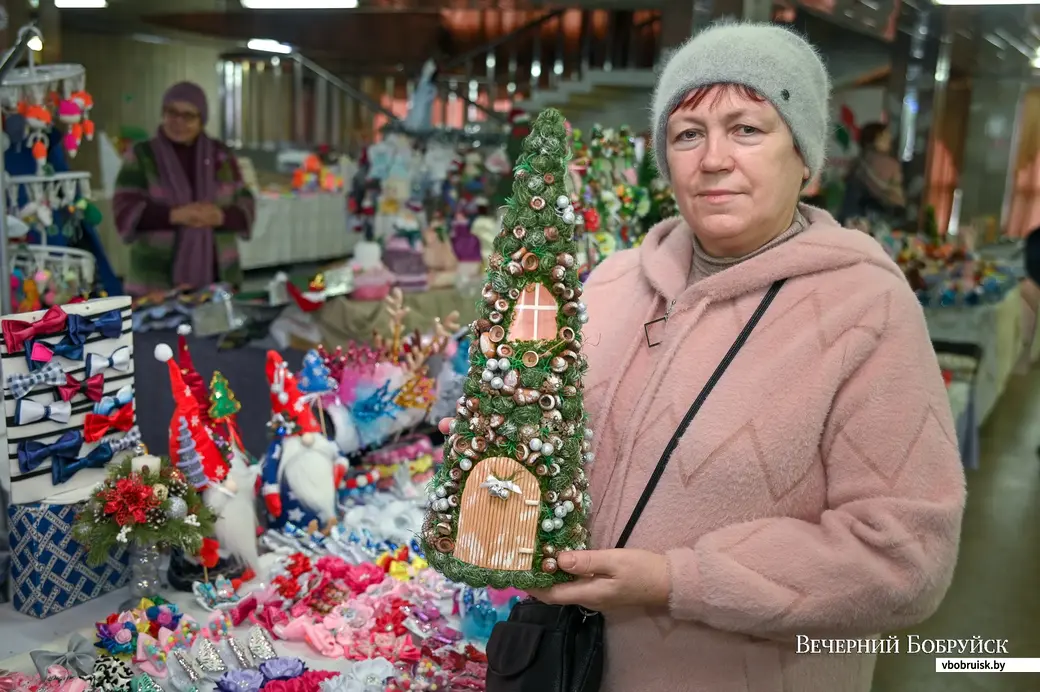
(776, 62)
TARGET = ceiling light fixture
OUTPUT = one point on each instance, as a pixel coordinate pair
(986, 3)
(81, 4)
(35, 44)
(299, 4)
(266, 45)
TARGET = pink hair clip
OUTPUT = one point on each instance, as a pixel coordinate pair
(151, 656)
(218, 626)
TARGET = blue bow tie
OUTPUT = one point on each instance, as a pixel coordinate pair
(31, 454)
(64, 467)
(108, 404)
(64, 348)
(108, 325)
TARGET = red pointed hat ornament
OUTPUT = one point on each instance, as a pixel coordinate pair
(191, 376)
(286, 398)
(185, 406)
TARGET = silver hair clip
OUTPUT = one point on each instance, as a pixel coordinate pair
(209, 659)
(260, 644)
(241, 657)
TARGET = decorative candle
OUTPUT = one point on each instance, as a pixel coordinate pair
(138, 463)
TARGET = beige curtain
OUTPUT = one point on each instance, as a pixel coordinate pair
(1025, 193)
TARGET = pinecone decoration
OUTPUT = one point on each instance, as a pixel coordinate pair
(156, 516)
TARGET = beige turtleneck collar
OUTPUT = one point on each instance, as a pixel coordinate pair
(704, 265)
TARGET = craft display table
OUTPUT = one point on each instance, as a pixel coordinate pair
(15, 646)
(297, 229)
(342, 320)
(997, 328)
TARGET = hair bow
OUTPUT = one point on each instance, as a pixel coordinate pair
(50, 374)
(96, 426)
(110, 403)
(39, 352)
(152, 652)
(17, 331)
(65, 467)
(32, 454)
(108, 325)
(92, 387)
(119, 360)
(28, 411)
(79, 658)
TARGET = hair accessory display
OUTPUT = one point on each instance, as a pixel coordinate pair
(282, 668)
(91, 387)
(50, 375)
(79, 658)
(151, 656)
(110, 675)
(241, 681)
(241, 657)
(108, 324)
(39, 352)
(260, 644)
(96, 426)
(118, 360)
(31, 454)
(16, 332)
(208, 658)
(220, 595)
(144, 683)
(28, 411)
(187, 670)
(110, 403)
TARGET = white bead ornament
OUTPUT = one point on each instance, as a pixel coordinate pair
(535, 444)
(557, 523)
(563, 202)
(547, 449)
(504, 365)
(465, 464)
(560, 511)
(492, 364)
(568, 505)
(549, 524)
(487, 376)
(497, 383)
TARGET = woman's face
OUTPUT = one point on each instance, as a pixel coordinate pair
(735, 171)
(883, 143)
(181, 122)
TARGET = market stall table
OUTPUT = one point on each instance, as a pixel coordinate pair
(997, 329)
(297, 229)
(342, 320)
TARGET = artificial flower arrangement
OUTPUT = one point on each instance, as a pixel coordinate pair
(148, 507)
(154, 624)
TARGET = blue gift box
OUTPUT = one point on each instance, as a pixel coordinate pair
(49, 570)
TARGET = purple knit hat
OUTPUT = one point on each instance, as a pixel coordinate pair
(188, 92)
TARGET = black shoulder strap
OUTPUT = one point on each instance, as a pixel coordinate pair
(644, 499)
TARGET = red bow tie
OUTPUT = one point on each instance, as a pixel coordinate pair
(92, 387)
(96, 426)
(17, 331)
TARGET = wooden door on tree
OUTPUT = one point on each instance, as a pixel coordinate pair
(498, 516)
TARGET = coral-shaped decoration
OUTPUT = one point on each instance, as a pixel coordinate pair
(511, 493)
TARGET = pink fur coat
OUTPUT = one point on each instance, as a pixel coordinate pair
(819, 491)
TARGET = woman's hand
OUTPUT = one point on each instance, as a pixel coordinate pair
(198, 215)
(611, 579)
(444, 426)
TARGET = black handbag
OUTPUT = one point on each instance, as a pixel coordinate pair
(551, 648)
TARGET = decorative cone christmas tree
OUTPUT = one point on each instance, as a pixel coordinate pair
(222, 401)
(188, 459)
(315, 377)
(512, 494)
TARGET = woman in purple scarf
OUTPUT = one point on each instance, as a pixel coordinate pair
(180, 202)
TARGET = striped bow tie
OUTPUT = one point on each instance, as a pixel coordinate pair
(50, 375)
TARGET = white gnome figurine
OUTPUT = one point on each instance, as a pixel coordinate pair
(302, 469)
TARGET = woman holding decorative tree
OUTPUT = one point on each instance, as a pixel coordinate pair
(774, 450)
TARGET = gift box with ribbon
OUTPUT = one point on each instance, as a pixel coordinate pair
(49, 572)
